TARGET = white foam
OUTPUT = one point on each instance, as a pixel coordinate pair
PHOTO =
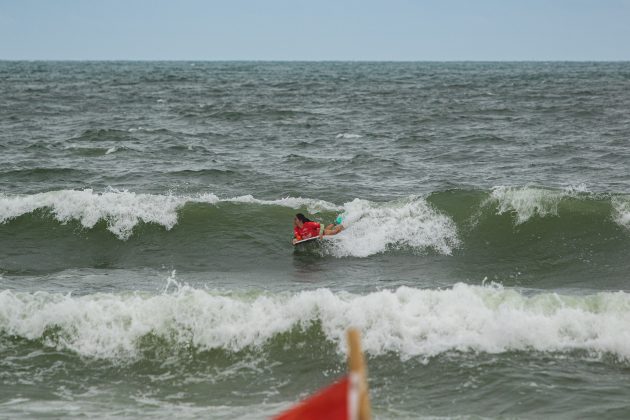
(372, 228)
(312, 205)
(123, 210)
(407, 321)
(576, 189)
(348, 136)
(621, 208)
(111, 150)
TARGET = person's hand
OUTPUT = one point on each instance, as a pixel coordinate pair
(294, 241)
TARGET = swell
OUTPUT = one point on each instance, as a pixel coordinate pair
(407, 322)
(42, 174)
(534, 206)
(234, 113)
(103, 134)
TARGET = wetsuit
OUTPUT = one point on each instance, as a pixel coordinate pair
(308, 230)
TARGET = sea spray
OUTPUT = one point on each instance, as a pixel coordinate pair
(526, 202)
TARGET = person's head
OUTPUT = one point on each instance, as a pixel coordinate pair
(300, 219)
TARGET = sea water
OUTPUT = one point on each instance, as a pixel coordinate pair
(146, 265)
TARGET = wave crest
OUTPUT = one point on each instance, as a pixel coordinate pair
(527, 202)
(123, 210)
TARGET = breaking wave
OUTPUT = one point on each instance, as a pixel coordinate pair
(407, 321)
(123, 210)
(527, 202)
(372, 227)
(411, 223)
(443, 222)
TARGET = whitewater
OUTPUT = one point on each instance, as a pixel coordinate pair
(406, 322)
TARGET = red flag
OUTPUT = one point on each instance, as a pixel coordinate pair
(346, 399)
(336, 402)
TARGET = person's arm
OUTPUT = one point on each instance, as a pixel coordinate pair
(296, 235)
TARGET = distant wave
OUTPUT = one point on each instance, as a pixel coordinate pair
(408, 322)
(42, 173)
(348, 136)
(98, 135)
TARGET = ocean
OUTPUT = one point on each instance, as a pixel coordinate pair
(146, 265)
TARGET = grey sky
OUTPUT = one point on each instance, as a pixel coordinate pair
(315, 30)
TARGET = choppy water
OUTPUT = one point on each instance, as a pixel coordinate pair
(145, 221)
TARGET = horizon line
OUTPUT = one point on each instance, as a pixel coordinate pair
(312, 61)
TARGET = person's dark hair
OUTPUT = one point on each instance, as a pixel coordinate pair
(302, 218)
